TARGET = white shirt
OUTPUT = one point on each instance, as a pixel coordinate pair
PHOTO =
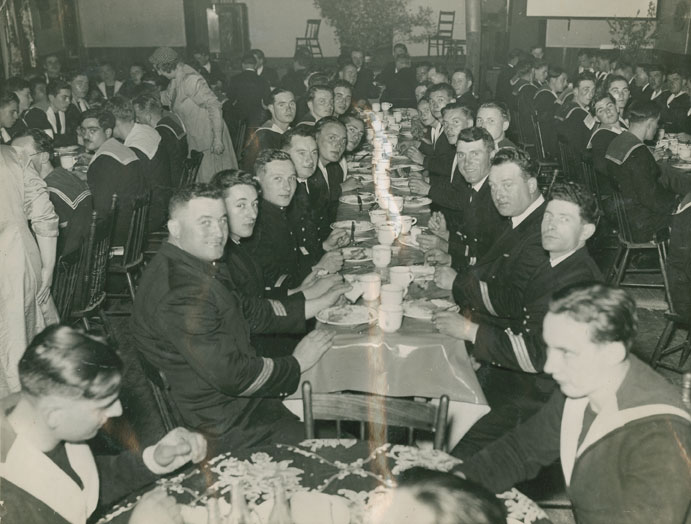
(52, 118)
(436, 132)
(555, 261)
(516, 221)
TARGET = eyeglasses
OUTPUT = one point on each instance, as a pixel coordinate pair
(336, 140)
(91, 131)
(354, 131)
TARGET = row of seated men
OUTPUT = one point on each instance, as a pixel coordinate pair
(609, 121)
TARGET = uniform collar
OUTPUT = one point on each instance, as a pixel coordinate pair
(179, 255)
(516, 221)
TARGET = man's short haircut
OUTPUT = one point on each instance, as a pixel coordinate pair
(520, 157)
(610, 312)
(351, 117)
(189, 192)
(313, 90)
(451, 106)
(271, 98)
(515, 53)
(584, 52)
(148, 104)
(539, 64)
(601, 95)
(467, 72)
(258, 53)
(399, 45)
(200, 50)
(473, 134)
(424, 99)
(74, 74)
(65, 362)
(303, 130)
(248, 59)
(16, 83)
(499, 106)
(579, 195)
(649, 68)
(424, 63)
(302, 56)
(42, 141)
(51, 55)
(228, 178)
(327, 120)
(523, 67)
(267, 156)
(611, 78)
(678, 70)
(105, 118)
(56, 86)
(317, 78)
(452, 499)
(584, 77)
(555, 72)
(443, 86)
(339, 82)
(121, 108)
(623, 64)
(7, 97)
(641, 110)
(34, 82)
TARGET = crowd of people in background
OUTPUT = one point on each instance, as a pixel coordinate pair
(224, 309)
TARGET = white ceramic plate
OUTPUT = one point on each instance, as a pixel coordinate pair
(361, 226)
(423, 308)
(367, 199)
(347, 315)
(416, 201)
(357, 254)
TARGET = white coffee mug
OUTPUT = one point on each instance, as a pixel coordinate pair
(371, 285)
(376, 107)
(407, 222)
(377, 216)
(386, 106)
(396, 204)
(398, 116)
(391, 294)
(390, 317)
(400, 276)
(381, 255)
(67, 161)
(386, 234)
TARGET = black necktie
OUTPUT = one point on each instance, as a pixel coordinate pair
(58, 126)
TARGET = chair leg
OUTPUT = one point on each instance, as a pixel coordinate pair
(667, 334)
(621, 270)
(106, 327)
(130, 285)
(662, 257)
(87, 324)
(615, 263)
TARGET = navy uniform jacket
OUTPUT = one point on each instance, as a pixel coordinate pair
(268, 136)
(504, 87)
(364, 87)
(469, 100)
(575, 124)
(629, 464)
(480, 226)
(450, 193)
(274, 247)
(324, 195)
(174, 141)
(247, 90)
(73, 204)
(598, 144)
(294, 81)
(495, 286)
(159, 180)
(305, 224)
(547, 104)
(675, 111)
(518, 344)
(115, 169)
(36, 118)
(632, 167)
(191, 323)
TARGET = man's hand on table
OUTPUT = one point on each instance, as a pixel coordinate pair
(428, 242)
(455, 325)
(178, 447)
(321, 285)
(437, 257)
(437, 225)
(419, 186)
(331, 262)
(415, 155)
(336, 239)
(312, 347)
(351, 184)
(444, 277)
(156, 507)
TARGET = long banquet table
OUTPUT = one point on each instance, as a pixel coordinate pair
(326, 480)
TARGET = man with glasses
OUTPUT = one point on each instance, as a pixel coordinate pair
(281, 105)
(320, 103)
(114, 170)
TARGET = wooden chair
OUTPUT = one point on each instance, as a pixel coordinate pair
(132, 258)
(547, 170)
(663, 349)
(627, 245)
(240, 137)
(65, 280)
(90, 300)
(570, 163)
(167, 409)
(190, 169)
(375, 411)
(440, 41)
(311, 39)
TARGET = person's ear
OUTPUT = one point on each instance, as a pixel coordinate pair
(310, 105)
(505, 125)
(532, 185)
(108, 132)
(174, 227)
(614, 353)
(587, 231)
(52, 414)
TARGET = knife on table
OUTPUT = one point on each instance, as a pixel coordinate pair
(352, 232)
(359, 202)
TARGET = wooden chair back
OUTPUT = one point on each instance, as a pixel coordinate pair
(190, 168)
(312, 28)
(445, 24)
(622, 217)
(93, 283)
(570, 163)
(66, 277)
(376, 412)
(240, 138)
(539, 142)
(167, 409)
(134, 245)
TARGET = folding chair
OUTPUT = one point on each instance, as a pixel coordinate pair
(377, 412)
